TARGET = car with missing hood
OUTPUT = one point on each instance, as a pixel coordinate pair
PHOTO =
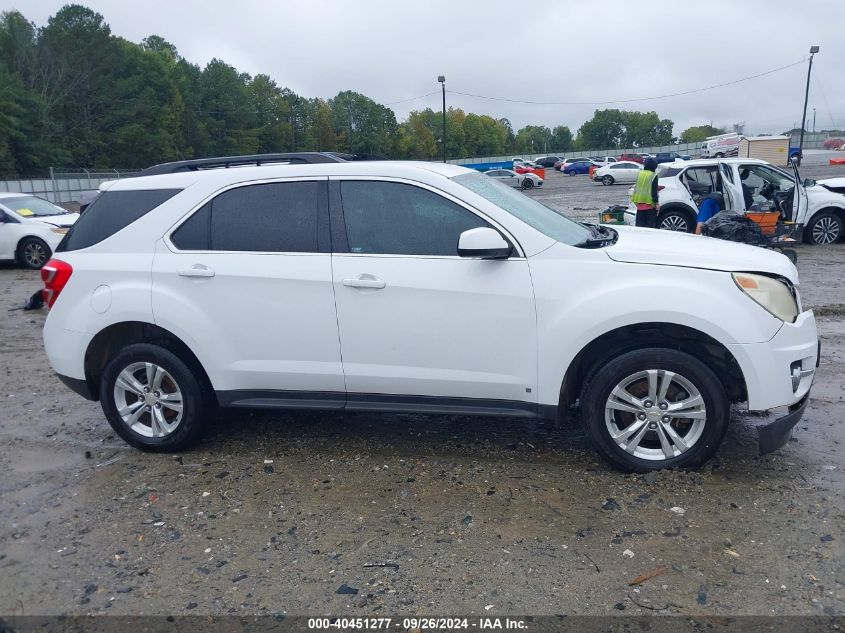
(31, 228)
(416, 287)
(749, 184)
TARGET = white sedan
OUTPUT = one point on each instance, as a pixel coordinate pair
(31, 228)
(520, 181)
(623, 171)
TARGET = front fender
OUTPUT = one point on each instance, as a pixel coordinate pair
(575, 309)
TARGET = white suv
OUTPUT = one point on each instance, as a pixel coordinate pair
(416, 287)
(747, 184)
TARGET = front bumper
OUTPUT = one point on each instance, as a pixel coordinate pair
(772, 436)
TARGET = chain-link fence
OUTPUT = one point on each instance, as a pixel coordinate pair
(65, 185)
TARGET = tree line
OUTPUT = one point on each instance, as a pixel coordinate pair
(74, 94)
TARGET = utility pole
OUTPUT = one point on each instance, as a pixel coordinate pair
(814, 120)
(442, 80)
(813, 51)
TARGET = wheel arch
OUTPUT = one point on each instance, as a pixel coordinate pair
(839, 211)
(119, 335)
(643, 335)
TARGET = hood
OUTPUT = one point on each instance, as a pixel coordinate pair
(670, 248)
(57, 220)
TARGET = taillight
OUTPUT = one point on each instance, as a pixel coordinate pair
(55, 275)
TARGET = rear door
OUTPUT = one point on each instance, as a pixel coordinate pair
(247, 278)
(419, 324)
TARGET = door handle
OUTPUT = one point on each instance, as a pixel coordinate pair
(197, 270)
(364, 281)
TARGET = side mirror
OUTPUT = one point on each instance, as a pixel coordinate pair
(809, 182)
(485, 243)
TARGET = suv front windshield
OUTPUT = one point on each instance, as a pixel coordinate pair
(546, 220)
(31, 206)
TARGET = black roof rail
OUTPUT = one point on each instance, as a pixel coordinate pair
(222, 162)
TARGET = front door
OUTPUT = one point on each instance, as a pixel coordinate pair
(247, 279)
(419, 325)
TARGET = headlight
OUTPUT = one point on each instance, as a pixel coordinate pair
(774, 295)
(61, 230)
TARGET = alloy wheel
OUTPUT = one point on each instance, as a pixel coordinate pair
(34, 254)
(674, 223)
(826, 230)
(148, 400)
(655, 414)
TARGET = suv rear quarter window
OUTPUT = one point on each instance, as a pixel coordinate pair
(111, 212)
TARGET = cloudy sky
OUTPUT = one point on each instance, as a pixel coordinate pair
(570, 53)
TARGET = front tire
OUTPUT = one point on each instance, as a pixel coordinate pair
(655, 408)
(825, 228)
(152, 398)
(607, 180)
(571, 172)
(527, 183)
(33, 253)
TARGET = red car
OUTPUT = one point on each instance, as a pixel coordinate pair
(637, 158)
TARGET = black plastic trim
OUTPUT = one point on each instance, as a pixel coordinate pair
(772, 436)
(79, 385)
(222, 162)
(435, 405)
(439, 405)
(273, 399)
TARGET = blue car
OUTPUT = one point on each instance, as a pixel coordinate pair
(577, 166)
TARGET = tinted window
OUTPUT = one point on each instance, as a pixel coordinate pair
(193, 234)
(275, 217)
(398, 219)
(111, 212)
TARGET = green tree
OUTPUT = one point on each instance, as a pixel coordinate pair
(362, 125)
(533, 139)
(616, 129)
(698, 133)
(561, 139)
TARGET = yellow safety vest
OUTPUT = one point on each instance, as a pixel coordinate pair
(642, 190)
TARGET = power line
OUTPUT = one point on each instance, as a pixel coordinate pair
(428, 94)
(666, 96)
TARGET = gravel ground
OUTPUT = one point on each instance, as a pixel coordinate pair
(316, 513)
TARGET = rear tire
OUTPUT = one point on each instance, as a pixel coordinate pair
(674, 220)
(607, 180)
(33, 253)
(153, 399)
(683, 424)
(527, 183)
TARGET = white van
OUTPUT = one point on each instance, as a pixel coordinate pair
(721, 145)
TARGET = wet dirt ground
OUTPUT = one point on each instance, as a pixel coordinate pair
(315, 513)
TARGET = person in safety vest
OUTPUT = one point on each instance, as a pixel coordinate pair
(645, 195)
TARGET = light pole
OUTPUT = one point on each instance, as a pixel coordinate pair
(814, 120)
(813, 51)
(442, 80)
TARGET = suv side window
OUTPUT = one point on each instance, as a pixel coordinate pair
(274, 217)
(390, 218)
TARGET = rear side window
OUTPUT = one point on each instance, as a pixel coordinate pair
(111, 212)
(268, 218)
